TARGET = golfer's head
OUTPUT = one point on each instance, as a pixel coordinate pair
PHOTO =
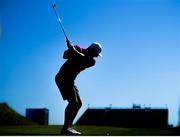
(94, 50)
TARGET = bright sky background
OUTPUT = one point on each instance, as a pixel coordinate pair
(141, 53)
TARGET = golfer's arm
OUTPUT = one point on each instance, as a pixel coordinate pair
(78, 53)
(71, 47)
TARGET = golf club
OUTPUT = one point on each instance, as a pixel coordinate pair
(59, 20)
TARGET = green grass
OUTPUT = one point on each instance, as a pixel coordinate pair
(86, 131)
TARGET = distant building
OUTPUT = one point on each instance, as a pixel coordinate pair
(38, 115)
(135, 117)
(179, 115)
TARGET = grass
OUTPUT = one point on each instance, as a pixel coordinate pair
(86, 131)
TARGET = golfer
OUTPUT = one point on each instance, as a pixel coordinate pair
(78, 59)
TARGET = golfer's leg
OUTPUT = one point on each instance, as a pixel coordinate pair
(71, 112)
(76, 106)
(69, 89)
(67, 116)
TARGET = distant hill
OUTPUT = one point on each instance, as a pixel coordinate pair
(8, 117)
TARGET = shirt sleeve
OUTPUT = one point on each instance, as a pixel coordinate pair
(78, 48)
(70, 53)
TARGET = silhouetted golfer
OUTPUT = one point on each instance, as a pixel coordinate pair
(78, 59)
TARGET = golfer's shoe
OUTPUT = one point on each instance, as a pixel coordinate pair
(79, 133)
(70, 131)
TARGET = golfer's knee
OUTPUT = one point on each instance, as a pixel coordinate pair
(79, 103)
(76, 104)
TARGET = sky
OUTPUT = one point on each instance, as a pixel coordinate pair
(140, 63)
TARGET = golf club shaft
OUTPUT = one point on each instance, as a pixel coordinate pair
(60, 22)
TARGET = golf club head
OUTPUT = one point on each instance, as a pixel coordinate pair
(54, 6)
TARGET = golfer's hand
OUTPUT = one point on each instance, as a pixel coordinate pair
(69, 45)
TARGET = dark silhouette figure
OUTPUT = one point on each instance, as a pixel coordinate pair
(78, 59)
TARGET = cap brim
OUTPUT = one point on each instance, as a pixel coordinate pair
(100, 55)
